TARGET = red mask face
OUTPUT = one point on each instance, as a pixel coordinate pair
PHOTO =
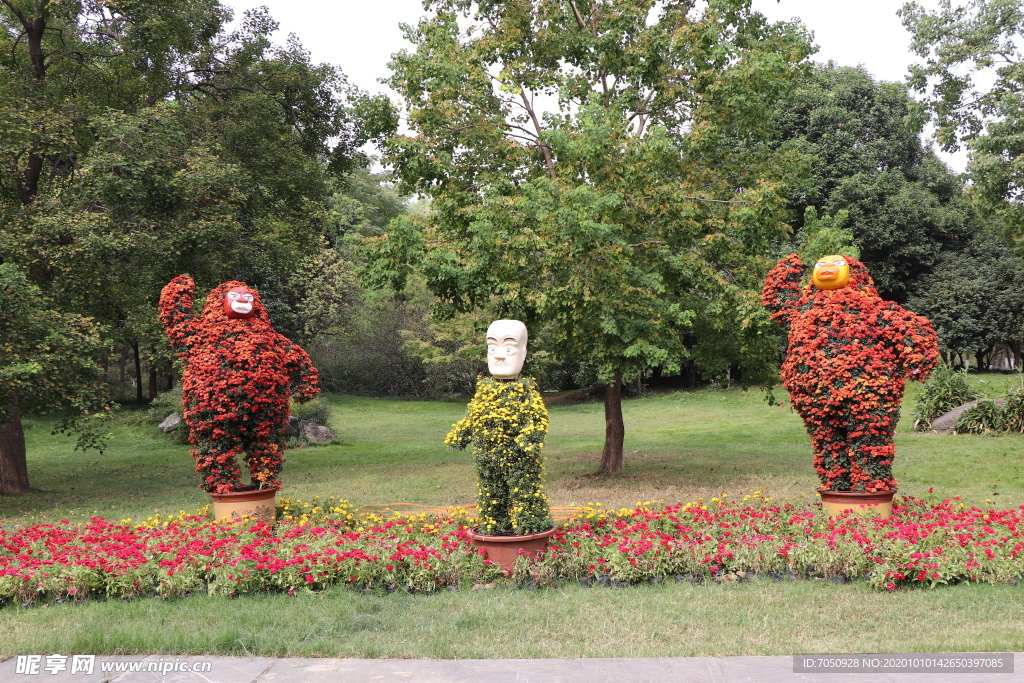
(239, 302)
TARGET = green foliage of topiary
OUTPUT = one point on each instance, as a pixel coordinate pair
(945, 390)
(507, 422)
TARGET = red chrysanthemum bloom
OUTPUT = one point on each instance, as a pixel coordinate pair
(849, 355)
(239, 376)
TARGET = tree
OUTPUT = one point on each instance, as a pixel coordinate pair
(975, 299)
(972, 78)
(364, 204)
(902, 206)
(580, 160)
(143, 140)
(211, 157)
(49, 361)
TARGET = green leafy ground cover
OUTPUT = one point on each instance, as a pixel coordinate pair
(679, 446)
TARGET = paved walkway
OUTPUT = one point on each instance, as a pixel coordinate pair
(654, 670)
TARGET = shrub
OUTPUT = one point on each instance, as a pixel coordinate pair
(368, 358)
(164, 404)
(987, 416)
(315, 411)
(946, 389)
(1013, 412)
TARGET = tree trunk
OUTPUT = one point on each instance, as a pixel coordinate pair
(13, 463)
(28, 184)
(121, 362)
(152, 381)
(614, 429)
(985, 357)
(138, 372)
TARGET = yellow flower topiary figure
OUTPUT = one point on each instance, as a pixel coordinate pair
(506, 422)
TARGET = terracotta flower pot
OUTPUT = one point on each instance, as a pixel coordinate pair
(247, 501)
(863, 503)
(504, 550)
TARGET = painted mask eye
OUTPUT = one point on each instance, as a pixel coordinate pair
(246, 297)
(839, 262)
(509, 349)
(819, 264)
(233, 295)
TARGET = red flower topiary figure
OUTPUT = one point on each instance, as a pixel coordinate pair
(848, 357)
(239, 375)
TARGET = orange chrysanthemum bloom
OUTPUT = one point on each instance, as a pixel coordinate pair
(239, 376)
(849, 355)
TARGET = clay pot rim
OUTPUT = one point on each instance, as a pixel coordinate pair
(857, 496)
(511, 539)
(243, 494)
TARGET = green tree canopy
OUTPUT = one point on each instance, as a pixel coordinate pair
(975, 299)
(871, 175)
(973, 81)
(49, 362)
(211, 157)
(580, 161)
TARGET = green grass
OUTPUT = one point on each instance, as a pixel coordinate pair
(673, 620)
(680, 446)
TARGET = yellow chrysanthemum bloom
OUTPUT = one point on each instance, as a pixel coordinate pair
(506, 422)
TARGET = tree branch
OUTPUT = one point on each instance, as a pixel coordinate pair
(579, 18)
(643, 113)
(718, 201)
(18, 13)
(545, 147)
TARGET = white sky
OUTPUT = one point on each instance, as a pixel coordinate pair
(360, 36)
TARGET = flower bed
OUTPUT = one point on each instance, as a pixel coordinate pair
(315, 546)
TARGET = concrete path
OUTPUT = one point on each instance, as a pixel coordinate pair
(655, 670)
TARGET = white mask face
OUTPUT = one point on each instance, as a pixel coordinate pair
(506, 348)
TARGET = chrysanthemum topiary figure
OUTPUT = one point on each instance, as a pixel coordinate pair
(239, 375)
(507, 422)
(849, 355)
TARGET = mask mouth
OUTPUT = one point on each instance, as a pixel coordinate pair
(243, 307)
(828, 274)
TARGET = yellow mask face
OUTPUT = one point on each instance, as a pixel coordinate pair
(831, 272)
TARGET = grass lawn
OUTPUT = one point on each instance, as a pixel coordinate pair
(680, 446)
(673, 620)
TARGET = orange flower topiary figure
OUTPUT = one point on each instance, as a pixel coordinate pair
(239, 375)
(849, 355)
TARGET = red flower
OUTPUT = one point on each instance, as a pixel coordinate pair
(239, 375)
(848, 356)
